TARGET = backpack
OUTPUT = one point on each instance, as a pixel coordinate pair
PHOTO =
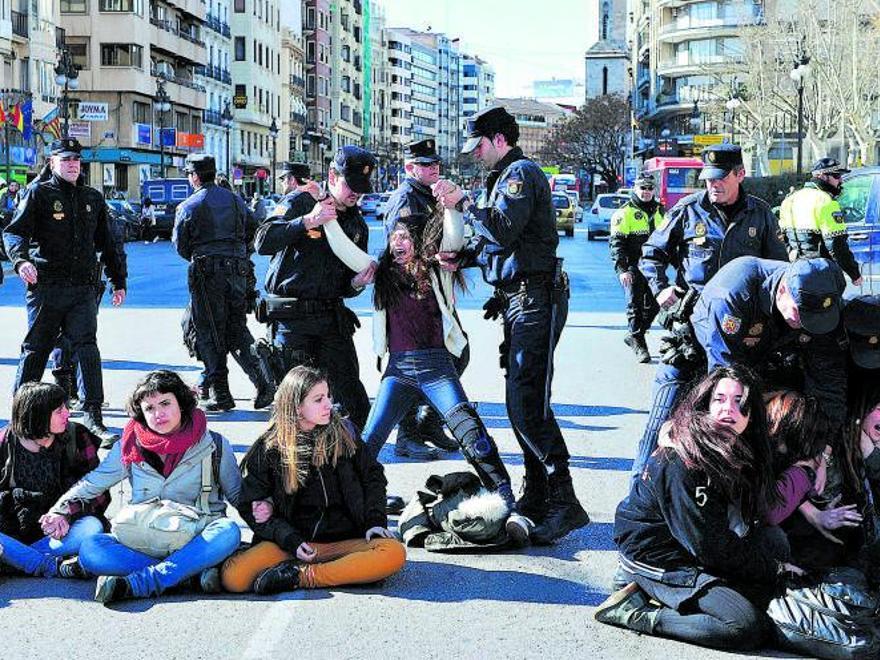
(834, 618)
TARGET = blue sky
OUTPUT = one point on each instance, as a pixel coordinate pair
(524, 41)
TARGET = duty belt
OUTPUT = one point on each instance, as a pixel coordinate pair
(521, 285)
(278, 307)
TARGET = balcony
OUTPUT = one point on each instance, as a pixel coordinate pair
(686, 30)
(214, 23)
(215, 72)
(298, 118)
(20, 24)
(212, 117)
(297, 81)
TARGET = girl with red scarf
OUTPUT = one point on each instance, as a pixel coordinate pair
(161, 454)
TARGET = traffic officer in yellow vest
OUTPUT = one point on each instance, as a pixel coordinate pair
(813, 222)
(631, 225)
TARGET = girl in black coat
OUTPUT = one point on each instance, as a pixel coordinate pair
(326, 524)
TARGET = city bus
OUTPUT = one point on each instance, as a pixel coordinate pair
(675, 177)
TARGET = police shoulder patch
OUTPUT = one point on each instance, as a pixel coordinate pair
(404, 212)
(514, 186)
(57, 205)
(731, 324)
(279, 210)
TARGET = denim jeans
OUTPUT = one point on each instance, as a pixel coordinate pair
(105, 555)
(409, 375)
(40, 559)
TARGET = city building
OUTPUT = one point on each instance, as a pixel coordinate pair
(293, 101)
(377, 96)
(400, 76)
(256, 72)
(607, 58)
(127, 51)
(536, 120)
(216, 77)
(477, 80)
(317, 24)
(347, 95)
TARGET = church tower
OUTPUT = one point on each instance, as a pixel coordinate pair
(606, 60)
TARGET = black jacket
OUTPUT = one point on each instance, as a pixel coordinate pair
(60, 228)
(674, 526)
(333, 504)
(213, 221)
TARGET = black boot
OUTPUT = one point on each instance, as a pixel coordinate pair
(281, 577)
(408, 444)
(564, 514)
(636, 341)
(94, 422)
(533, 503)
(204, 389)
(221, 398)
(256, 365)
(430, 429)
(66, 380)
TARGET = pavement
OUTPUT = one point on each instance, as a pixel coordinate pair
(532, 603)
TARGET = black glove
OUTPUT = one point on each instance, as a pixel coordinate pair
(493, 308)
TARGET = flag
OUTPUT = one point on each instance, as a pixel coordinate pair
(16, 118)
(2, 114)
(27, 119)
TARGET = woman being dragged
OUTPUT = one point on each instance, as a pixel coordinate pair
(689, 532)
(325, 525)
(416, 322)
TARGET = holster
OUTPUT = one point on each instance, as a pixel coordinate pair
(680, 312)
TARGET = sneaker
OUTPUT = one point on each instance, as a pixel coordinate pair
(71, 569)
(209, 581)
(518, 529)
(111, 589)
(408, 448)
(281, 577)
(629, 608)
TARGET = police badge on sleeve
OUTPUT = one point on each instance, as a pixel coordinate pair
(731, 324)
(514, 186)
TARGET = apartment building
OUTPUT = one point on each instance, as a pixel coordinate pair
(347, 95)
(215, 75)
(536, 120)
(317, 26)
(293, 101)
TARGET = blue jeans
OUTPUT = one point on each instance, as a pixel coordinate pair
(432, 373)
(40, 559)
(105, 555)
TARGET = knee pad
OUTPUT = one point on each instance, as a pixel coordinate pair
(469, 430)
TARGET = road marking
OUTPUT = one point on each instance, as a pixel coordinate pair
(272, 630)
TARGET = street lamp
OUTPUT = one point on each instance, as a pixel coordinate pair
(732, 104)
(66, 75)
(695, 120)
(799, 74)
(162, 104)
(273, 133)
(226, 120)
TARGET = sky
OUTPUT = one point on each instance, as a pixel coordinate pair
(523, 40)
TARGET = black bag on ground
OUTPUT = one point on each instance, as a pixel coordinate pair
(833, 618)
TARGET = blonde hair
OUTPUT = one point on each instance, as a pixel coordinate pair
(325, 445)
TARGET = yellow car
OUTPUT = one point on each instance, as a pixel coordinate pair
(565, 211)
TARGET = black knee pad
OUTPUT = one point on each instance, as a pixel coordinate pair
(469, 430)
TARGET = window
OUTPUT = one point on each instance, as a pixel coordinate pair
(116, 5)
(74, 6)
(239, 49)
(140, 113)
(239, 7)
(79, 51)
(196, 124)
(241, 90)
(121, 55)
(182, 122)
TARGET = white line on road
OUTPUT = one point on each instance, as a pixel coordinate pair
(271, 631)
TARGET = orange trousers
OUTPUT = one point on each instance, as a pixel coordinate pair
(355, 561)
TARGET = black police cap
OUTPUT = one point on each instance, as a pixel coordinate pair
(861, 318)
(200, 164)
(423, 152)
(297, 170)
(720, 159)
(65, 147)
(828, 166)
(356, 165)
(486, 123)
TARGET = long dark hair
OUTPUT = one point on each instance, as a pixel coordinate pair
(796, 428)
(162, 381)
(741, 466)
(864, 397)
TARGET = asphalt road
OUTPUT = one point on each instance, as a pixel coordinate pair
(525, 604)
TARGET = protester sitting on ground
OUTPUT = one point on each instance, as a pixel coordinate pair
(326, 524)
(416, 322)
(42, 454)
(687, 534)
(169, 456)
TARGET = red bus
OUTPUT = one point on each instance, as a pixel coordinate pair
(675, 177)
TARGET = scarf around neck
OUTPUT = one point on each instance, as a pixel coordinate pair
(173, 445)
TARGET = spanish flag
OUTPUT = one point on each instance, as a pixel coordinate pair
(2, 113)
(16, 118)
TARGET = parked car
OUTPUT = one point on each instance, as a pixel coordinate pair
(122, 211)
(599, 217)
(564, 213)
(860, 201)
(165, 194)
(369, 204)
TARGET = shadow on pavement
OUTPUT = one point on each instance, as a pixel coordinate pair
(613, 463)
(122, 365)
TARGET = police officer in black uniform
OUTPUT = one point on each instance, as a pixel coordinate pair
(306, 281)
(700, 234)
(414, 203)
(53, 242)
(515, 245)
(212, 230)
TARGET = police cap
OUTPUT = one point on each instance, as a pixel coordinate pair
(816, 286)
(423, 152)
(356, 166)
(828, 166)
(645, 181)
(720, 159)
(300, 171)
(861, 318)
(200, 164)
(66, 147)
(487, 123)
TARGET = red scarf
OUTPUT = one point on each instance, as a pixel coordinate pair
(173, 445)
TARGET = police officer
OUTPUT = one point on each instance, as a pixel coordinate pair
(515, 245)
(307, 282)
(414, 203)
(212, 229)
(754, 307)
(699, 235)
(813, 222)
(861, 322)
(53, 240)
(631, 225)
